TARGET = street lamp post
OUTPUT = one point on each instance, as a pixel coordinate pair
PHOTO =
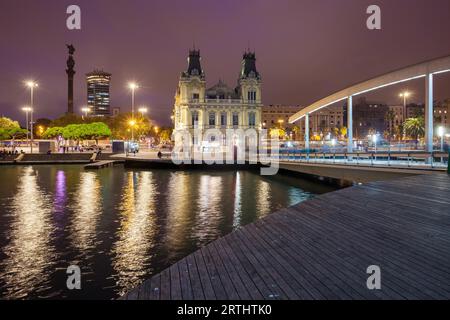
(31, 85)
(404, 95)
(133, 86)
(26, 110)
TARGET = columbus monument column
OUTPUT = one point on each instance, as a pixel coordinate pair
(70, 73)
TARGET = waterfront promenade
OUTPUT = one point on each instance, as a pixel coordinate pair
(321, 249)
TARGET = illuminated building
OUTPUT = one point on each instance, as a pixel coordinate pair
(98, 98)
(219, 107)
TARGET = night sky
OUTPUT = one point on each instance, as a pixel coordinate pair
(305, 49)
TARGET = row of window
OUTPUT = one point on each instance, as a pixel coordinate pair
(251, 96)
(223, 119)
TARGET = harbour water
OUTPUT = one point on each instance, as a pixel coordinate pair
(119, 225)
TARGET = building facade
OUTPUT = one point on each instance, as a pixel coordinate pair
(98, 97)
(274, 116)
(218, 107)
(368, 118)
(395, 119)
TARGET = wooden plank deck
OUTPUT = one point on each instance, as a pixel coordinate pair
(321, 248)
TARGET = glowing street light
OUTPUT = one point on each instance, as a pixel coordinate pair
(142, 110)
(441, 134)
(374, 139)
(133, 86)
(31, 85)
(86, 110)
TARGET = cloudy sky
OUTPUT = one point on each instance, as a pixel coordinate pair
(305, 49)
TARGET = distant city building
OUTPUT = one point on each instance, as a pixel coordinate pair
(323, 122)
(115, 111)
(368, 118)
(414, 110)
(98, 98)
(442, 114)
(220, 106)
(275, 115)
(397, 118)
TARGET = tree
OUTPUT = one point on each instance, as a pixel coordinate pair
(415, 128)
(389, 117)
(277, 132)
(121, 129)
(95, 130)
(10, 129)
(53, 132)
(7, 123)
(296, 130)
(77, 132)
(12, 133)
(335, 132)
(165, 135)
(398, 130)
(343, 132)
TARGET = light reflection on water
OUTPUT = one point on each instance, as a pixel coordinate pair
(137, 231)
(87, 208)
(121, 226)
(29, 252)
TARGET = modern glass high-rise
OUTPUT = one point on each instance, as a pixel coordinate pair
(98, 98)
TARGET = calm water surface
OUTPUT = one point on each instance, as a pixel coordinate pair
(121, 226)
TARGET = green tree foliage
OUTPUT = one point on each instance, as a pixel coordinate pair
(10, 129)
(53, 132)
(121, 128)
(12, 133)
(415, 128)
(95, 131)
(77, 132)
(7, 123)
(165, 135)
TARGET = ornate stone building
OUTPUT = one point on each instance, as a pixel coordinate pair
(219, 107)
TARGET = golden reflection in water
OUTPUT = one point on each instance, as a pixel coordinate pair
(29, 252)
(87, 211)
(209, 212)
(179, 210)
(237, 213)
(263, 198)
(138, 227)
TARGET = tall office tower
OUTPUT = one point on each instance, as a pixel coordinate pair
(98, 99)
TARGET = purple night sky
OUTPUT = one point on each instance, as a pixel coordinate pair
(305, 49)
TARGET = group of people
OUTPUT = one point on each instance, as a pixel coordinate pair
(9, 152)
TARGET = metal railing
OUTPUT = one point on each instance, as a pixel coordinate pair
(435, 159)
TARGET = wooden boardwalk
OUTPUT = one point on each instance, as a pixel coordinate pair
(320, 249)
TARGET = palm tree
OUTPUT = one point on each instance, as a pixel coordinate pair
(296, 129)
(389, 118)
(415, 128)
